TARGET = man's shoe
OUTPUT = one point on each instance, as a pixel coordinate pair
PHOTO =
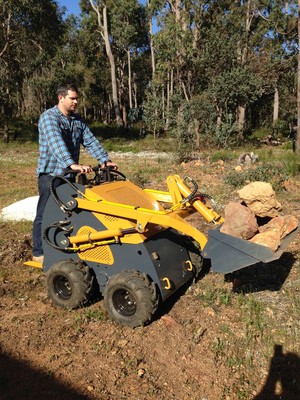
(39, 259)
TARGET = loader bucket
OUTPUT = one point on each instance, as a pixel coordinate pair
(228, 253)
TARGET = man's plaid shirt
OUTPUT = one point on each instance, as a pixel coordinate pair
(60, 139)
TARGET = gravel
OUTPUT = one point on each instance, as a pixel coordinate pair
(23, 210)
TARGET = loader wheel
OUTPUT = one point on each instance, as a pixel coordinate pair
(69, 284)
(195, 255)
(130, 298)
(197, 261)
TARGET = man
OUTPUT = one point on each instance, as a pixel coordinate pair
(61, 132)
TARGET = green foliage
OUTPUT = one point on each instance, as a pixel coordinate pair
(33, 32)
(275, 173)
(127, 20)
(224, 155)
(281, 128)
(23, 131)
(94, 315)
(238, 86)
(259, 133)
(152, 112)
(226, 132)
(289, 160)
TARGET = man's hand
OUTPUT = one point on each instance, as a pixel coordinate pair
(110, 164)
(83, 169)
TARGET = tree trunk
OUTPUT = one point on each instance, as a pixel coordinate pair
(103, 26)
(112, 68)
(129, 79)
(7, 114)
(241, 112)
(124, 113)
(197, 132)
(163, 103)
(168, 103)
(135, 94)
(151, 43)
(297, 141)
(276, 105)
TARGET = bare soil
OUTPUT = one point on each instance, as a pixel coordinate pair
(232, 337)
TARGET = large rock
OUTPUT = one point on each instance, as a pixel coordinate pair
(269, 239)
(282, 224)
(260, 198)
(240, 221)
(274, 231)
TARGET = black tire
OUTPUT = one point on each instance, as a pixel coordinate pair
(130, 298)
(197, 262)
(195, 254)
(69, 284)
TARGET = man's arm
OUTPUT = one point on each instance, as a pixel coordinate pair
(93, 146)
(52, 135)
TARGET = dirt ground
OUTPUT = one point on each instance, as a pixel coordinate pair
(206, 343)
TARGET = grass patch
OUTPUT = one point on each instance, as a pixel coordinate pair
(276, 173)
(214, 297)
(224, 155)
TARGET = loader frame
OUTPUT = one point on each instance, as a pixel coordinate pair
(133, 241)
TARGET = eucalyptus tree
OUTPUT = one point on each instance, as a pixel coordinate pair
(30, 33)
(271, 49)
(297, 141)
(78, 60)
(100, 8)
(190, 52)
(244, 26)
(214, 60)
(170, 60)
(130, 41)
(120, 26)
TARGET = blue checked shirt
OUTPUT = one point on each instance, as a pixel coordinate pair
(60, 139)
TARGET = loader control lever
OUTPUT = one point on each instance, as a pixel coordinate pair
(107, 174)
(102, 175)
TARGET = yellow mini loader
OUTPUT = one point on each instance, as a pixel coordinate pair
(133, 245)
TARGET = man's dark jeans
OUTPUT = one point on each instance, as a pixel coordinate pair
(44, 181)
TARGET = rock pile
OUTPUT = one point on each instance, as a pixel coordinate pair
(257, 217)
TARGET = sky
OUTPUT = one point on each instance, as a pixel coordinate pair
(73, 8)
(71, 5)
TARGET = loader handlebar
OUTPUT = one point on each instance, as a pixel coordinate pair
(107, 174)
(102, 175)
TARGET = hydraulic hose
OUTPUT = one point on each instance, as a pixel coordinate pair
(61, 205)
(194, 192)
(58, 225)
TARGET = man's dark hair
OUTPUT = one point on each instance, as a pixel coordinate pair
(62, 90)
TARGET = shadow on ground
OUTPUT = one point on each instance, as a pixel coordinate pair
(19, 381)
(283, 381)
(262, 277)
